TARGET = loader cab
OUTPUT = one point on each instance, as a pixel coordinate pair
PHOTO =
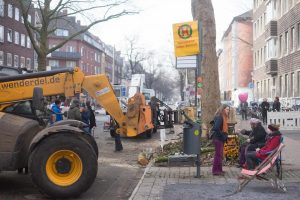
(9, 71)
(22, 108)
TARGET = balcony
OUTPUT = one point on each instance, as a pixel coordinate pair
(65, 55)
(272, 67)
(271, 29)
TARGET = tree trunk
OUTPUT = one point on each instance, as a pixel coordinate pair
(42, 62)
(181, 75)
(203, 11)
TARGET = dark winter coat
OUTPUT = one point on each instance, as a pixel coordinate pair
(257, 135)
(218, 129)
(265, 106)
(85, 117)
(276, 106)
(272, 143)
(92, 117)
(74, 111)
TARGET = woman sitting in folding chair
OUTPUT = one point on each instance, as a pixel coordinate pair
(273, 141)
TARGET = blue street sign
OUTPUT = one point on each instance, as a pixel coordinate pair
(123, 91)
(251, 85)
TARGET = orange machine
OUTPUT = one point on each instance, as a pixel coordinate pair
(62, 158)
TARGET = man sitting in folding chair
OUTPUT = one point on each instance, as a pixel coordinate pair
(268, 156)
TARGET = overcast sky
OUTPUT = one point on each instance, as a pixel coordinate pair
(153, 25)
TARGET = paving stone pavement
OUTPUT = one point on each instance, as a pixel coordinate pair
(179, 182)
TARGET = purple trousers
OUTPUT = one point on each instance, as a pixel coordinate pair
(218, 159)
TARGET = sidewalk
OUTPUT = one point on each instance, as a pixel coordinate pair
(179, 182)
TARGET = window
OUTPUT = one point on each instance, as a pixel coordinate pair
(2, 8)
(17, 14)
(298, 82)
(62, 32)
(286, 42)
(284, 6)
(28, 42)
(271, 46)
(22, 40)
(279, 8)
(292, 38)
(280, 46)
(71, 64)
(28, 63)
(53, 63)
(29, 18)
(9, 59)
(9, 35)
(17, 39)
(22, 62)
(291, 89)
(10, 10)
(1, 33)
(298, 35)
(265, 88)
(268, 87)
(16, 61)
(280, 86)
(70, 49)
(1, 58)
(286, 85)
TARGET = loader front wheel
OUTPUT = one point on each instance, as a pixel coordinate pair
(63, 165)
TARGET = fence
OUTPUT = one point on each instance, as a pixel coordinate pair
(287, 120)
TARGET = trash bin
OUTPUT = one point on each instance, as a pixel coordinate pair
(191, 137)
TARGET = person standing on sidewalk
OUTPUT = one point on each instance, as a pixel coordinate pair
(92, 116)
(276, 105)
(220, 129)
(265, 106)
(244, 109)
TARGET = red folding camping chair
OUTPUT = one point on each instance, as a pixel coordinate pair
(270, 169)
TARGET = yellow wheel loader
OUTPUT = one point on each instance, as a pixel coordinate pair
(61, 157)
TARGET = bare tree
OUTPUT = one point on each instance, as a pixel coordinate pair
(181, 73)
(50, 12)
(135, 56)
(164, 85)
(203, 11)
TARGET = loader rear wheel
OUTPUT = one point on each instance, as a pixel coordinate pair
(92, 142)
(63, 165)
(148, 133)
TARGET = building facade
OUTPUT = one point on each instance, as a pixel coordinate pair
(235, 59)
(85, 50)
(276, 50)
(15, 46)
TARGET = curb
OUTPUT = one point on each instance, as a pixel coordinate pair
(141, 180)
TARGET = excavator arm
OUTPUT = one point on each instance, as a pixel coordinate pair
(69, 82)
(66, 82)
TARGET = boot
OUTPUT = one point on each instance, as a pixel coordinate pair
(118, 143)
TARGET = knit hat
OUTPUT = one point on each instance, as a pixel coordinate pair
(254, 121)
(274, 127)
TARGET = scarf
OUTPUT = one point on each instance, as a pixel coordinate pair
(225, 125)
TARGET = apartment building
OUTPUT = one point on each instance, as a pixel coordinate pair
(15, 46)
(276, 50)
(85, 50)
(235, 59)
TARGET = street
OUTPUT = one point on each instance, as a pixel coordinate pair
(118, 172)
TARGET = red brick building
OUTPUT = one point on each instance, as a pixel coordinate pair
(235, 59)
(15, 46)
(86, 51)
